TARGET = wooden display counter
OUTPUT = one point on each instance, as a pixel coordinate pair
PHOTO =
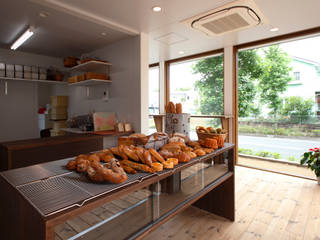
(23, 153)
(47, 201)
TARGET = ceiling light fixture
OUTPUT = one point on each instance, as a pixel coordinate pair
(156, 8)
(181, 52)
(275, 29)
(24, 37)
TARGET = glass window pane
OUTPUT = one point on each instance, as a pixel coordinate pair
(154, 90)
(198, 85)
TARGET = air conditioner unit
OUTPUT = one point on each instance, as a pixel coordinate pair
(231, 17)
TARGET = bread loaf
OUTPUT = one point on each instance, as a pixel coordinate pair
(179, 108)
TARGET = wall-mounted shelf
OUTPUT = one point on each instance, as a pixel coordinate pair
(90, 82)
(91, 66)
(33, 80)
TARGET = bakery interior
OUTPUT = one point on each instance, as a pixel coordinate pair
(77, 157)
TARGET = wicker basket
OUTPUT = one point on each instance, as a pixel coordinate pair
(202, 136)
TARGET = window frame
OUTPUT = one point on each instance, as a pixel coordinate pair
(193, 57)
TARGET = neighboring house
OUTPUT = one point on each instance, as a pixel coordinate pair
(306, 78)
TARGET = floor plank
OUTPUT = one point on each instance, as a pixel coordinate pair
(268, 206)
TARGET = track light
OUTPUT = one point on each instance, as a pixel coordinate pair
(24, 37)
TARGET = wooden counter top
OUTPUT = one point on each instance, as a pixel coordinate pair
(33, 181)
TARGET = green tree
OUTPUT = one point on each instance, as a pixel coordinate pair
(275, 77)
(297, 108)
(249, 72)
(210, 86)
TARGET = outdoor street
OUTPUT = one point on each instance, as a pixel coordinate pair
(285, 146)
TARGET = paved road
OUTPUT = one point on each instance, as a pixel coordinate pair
(285, 146)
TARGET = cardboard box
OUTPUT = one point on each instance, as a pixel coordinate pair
(59, 101)
(73, 79)
(57, 125)
(54, 116)
(55, 133)
(59, 110)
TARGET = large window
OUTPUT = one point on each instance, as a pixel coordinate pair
(276, 97)
(154, 95)
(198, 85)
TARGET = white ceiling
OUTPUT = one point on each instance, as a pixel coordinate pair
(75, 25)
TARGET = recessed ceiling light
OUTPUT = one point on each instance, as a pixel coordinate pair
(275, 29)
(181, 52)
(44, 14)
(104, 34)
(156, 9)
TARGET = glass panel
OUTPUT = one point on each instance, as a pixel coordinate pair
(191, 180)
(152, 125)
(278, 104)
(198, 85)
(154, 90)
(117, 219)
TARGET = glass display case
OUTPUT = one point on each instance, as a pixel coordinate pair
(66, 205)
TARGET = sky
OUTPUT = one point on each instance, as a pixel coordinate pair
(307, 48)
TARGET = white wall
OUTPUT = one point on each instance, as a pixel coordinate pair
(128, 90)
(309, 80)
(125, 89)
(18, 109)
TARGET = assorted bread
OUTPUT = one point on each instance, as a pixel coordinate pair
(113, 164)
(173, 108)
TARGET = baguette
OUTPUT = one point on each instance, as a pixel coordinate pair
(172, 107)
(130, 153)
(128, 169)
(138, 166)
(179, 108)
(156, 155)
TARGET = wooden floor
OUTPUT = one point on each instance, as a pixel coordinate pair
(269, 206)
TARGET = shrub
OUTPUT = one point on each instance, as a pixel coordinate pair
(292, 158)
(276, 155)
(246, 151)
(264, 154)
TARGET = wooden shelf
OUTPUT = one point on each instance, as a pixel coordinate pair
(90, 82)
(90, 66)
(33, 80)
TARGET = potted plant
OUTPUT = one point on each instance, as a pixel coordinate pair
(312, 159)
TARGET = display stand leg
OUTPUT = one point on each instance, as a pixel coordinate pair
(171, 184)
(220, 200)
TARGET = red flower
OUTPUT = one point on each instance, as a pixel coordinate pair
(311, 149)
